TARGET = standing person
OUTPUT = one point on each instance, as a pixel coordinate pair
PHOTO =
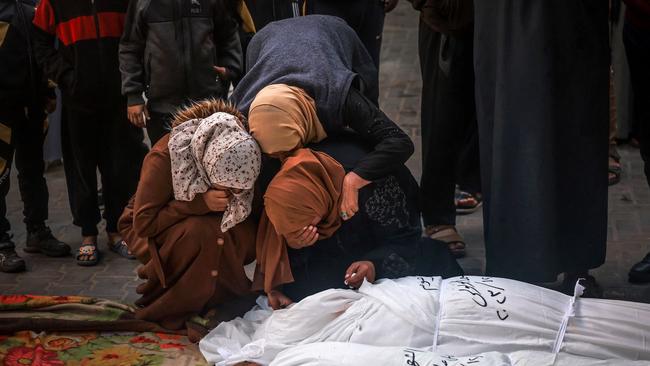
(366, 17)
(542, 78)
(96, 133)
(176, 54)
(24, 97)
(448, 113)
(636, 37)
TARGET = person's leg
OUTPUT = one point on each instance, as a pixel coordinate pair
(637, 48)
(372, 27)
(447, 76)
(28, 141)
(9, 116)
(81, 142)
(614, 157)
(120, 161)
(469, 166)
(158, 126)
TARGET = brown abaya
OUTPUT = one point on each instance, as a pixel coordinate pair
(189, 264)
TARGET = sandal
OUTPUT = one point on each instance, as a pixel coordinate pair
(614, 170)
(91, 253)
(467, 203)
(449, 236)
(121, 248)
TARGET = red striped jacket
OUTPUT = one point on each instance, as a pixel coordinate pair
(85, 63)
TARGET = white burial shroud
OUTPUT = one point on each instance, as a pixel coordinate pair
(462, 316)
(353, 354)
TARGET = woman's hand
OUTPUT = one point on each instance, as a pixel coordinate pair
(216, 199)
(278, 300)
(305, 237)
(358, 271)
(352, 183)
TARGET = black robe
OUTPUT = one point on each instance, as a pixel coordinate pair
(542, 74)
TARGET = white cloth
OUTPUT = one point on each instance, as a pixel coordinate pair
(405, 306)
(215, 150)
(461, 316)
(351, 354)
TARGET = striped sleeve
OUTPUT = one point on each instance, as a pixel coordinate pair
(44, 18)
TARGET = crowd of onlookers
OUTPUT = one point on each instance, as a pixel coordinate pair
(526, 88)
(115, 63)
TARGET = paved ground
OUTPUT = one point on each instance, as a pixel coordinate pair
(114, 278)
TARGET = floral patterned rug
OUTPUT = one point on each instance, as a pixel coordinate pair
(77, 330)
(98, 348)
(63, 313)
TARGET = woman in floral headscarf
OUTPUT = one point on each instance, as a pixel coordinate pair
(188, 222)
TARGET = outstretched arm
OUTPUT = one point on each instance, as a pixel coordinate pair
(392, 146)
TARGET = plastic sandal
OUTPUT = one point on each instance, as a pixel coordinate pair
(88, 250)
(121, 248)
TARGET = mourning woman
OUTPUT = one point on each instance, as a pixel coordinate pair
(305, 247)
(310, 78)
(188, 222)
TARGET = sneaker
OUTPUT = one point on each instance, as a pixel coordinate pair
(42, 241)
(10, 262)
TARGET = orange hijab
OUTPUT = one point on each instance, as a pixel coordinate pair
(283, 118)
(307, 186)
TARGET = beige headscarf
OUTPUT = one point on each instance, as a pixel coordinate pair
(283, 118)
(215, 150)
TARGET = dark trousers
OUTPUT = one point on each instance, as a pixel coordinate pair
(366, 17)
(449, 129)
(23, 134)
(637, 49)
(158, 125)
(100, 137)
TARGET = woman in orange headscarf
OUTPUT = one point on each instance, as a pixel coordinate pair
(303, 245)
(310, 78)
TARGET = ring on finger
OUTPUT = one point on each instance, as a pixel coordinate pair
(344, 215)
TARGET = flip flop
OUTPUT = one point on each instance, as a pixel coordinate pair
(121, 248)
(88, 250)
(467, 203)
(614, 171)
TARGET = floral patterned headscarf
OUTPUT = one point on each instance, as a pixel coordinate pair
(215, 150)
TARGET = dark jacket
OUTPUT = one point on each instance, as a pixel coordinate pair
(446, 16)
(21, 81)
(169, 48)
(85, 63)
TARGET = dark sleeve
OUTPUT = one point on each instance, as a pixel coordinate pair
(394, 260)
(417, 256)
(47, 56)
(155, 208)
(229, 51)
(392, 147)
(131, 54)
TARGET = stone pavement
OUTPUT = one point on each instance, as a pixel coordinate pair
(114, 277)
